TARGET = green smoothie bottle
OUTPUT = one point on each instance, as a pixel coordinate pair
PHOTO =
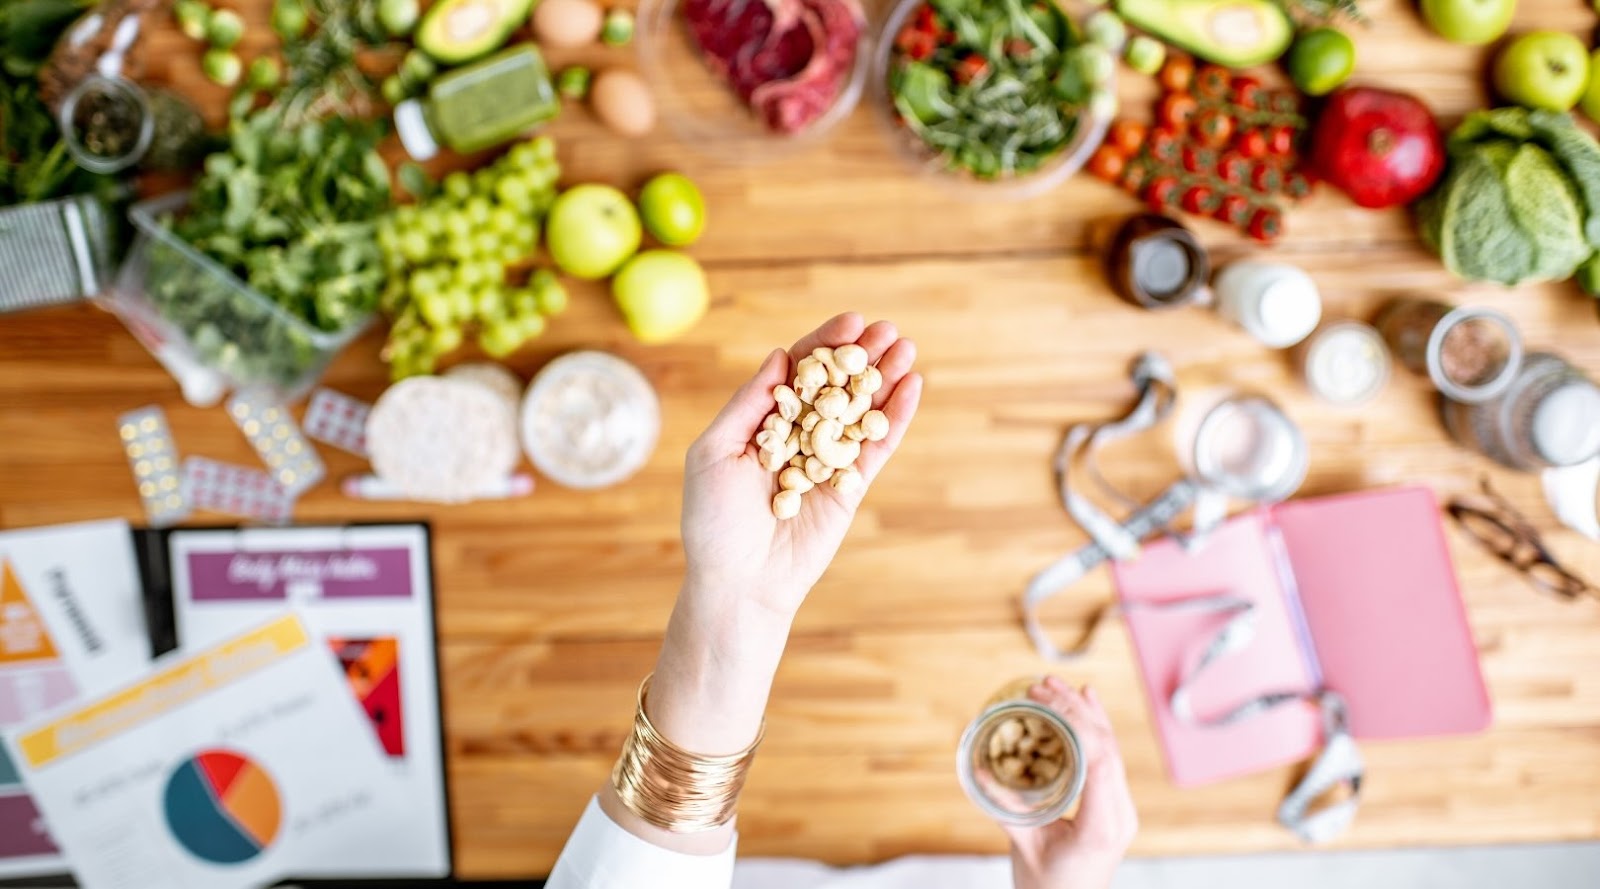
(479, 106)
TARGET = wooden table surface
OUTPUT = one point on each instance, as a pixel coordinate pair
(551, 607)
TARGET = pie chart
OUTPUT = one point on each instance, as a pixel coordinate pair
(222, 807)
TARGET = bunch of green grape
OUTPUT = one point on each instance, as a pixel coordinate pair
(448, 259)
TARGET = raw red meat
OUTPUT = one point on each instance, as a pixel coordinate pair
(787, 59)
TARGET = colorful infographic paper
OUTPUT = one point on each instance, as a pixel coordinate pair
(228, 768)
(366, 592)
(71, 618)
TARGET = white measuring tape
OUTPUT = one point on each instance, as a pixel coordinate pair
(1338, 765)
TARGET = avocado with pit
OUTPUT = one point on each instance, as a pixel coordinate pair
(1235, 33)
(458, 31)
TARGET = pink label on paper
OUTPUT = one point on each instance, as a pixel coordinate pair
(22, 832)
(25, 693)
(326, 574)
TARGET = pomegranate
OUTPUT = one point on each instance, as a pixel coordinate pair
(1381, 148)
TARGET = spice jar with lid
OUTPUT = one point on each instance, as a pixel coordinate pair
(1020, 761)
(1548, 417)
(1156, 263)
(1470, 353)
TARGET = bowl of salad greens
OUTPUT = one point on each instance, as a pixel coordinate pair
(1001, 99)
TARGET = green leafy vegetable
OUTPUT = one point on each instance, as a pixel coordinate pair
(1520, 202)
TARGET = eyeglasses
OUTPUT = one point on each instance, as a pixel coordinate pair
(1503, 531)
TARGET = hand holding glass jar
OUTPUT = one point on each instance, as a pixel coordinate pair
(1082, 851)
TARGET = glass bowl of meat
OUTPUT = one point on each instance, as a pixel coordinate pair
(998, 99)
(741, 79)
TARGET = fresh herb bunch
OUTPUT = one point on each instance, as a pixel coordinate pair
(995, 89)
(1323, 11)
(323, 77)
(34, 164)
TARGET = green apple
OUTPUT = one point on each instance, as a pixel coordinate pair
(1591, 96)
(674, 210)
(661, 293)
(592, 230)
(1471, 22)
(1543, 69)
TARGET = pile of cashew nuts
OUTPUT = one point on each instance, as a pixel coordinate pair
(815, 435)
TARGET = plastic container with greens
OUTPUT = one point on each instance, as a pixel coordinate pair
(211, 330)
(1004, 98)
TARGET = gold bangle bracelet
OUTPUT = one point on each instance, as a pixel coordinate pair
(674, 789)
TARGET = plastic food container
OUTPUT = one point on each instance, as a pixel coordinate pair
(1086, 137)
(1020, 761)
(703, 110)
(212, 331)
(590, 420)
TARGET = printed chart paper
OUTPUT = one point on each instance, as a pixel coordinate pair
(366, 593)
(225, 769)
(70, 618)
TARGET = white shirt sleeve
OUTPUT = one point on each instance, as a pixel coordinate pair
(602, 855)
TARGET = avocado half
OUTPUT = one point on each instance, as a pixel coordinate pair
(1235, 33)
(457, 31)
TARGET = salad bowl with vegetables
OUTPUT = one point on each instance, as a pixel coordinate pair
(998, 98)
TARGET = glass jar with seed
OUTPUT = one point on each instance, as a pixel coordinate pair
(1020, 761)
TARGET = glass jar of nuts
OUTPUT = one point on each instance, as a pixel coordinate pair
(1020, 761)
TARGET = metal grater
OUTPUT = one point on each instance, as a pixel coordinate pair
(53, 252)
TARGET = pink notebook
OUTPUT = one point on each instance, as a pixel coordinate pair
(1354, 593)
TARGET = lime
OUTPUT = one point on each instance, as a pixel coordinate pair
(1321, 60)
(674, 210)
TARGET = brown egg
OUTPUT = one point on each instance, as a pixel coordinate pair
(623, 102)
(567, 23)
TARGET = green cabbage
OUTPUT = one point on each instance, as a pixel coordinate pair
(1520, 201)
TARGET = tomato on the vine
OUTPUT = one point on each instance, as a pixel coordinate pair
(1253, 144)
(1297, 185)
(1265, 177)
(1176, 110)
(1128, 136)
(1200, 200)
(1199, 159)
(1233, 168)
(1163, 145)
(1247, 92)
(1161, 193)
(1281, 140)
(1177, 73)
(1214, 127)
(1211, 82)
(1107, 163)
(1234, 209)
(1266, 224)
(1135, 175)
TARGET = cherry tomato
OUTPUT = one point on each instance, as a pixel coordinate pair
(1016, 47)
(1199, 159)
(917, 45)
(1266, 178)
(1177, 73)
(971, 68)
(1135, 175)
(1176, 110)
(1247, 92)
(926, 20)
(1213, 127)
(1211, 82)
(1163, 145)
(1297, 185)
(1266, 224)
(1128, 136)
(1233, 168)
(1253, 144)
(1107, 163)
(1161, 193)
(1200, 200)
(1281, 140)
(1234, 209)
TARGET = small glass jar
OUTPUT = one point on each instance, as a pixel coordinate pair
(482, 105)
(1156, 263)
(1549, 417)
(1471, 354)
(1020, 761)
(107, 124)
(1344, 363)
(1277, 304)
(590, 420)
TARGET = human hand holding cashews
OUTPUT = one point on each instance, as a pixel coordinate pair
(772, 486)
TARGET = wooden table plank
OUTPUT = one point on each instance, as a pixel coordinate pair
(551, 607)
